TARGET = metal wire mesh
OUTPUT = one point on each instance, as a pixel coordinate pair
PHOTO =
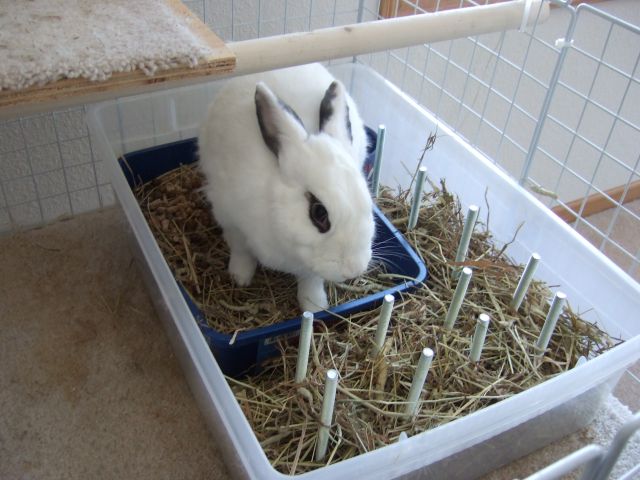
(551, 105)
(601, 133)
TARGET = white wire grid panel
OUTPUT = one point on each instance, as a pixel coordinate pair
(562, 119)
(559, 116)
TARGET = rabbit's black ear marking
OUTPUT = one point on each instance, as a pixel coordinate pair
(264, 112)
(275, 118)
(326, 106)
(348, 123)
(331, 106)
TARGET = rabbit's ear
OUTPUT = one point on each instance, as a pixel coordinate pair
(278, 122)
(334, 114)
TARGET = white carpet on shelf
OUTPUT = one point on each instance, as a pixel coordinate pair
(45, 40)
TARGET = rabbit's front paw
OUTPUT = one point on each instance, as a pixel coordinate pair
(242, 266)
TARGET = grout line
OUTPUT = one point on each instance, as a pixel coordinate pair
(32, 176)
(93, 158)
(64, 171)
(71, 139)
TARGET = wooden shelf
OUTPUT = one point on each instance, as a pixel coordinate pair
(68, 92)
(598, 202)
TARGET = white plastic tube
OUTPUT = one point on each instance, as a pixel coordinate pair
(417, 198)
(304, 345)
(383, 323)
(326, 415)
(419, 377)
(458, 297)
(465, 238)
(525, 281)
(550, 321)
(281, 51)
(482, 325)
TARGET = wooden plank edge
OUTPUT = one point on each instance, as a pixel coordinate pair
(82, 87)
(200, 30)
(597, 202)
(388, 8)
(101, 92)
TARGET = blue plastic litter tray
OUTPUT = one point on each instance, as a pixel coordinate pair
(250, 348)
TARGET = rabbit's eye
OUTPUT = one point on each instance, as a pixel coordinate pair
(318, 214)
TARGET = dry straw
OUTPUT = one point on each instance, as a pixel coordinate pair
(177, 212)
(372, 393)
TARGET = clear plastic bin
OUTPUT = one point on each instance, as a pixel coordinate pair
(465, 448)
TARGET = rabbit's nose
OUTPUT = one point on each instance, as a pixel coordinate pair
(355, 266)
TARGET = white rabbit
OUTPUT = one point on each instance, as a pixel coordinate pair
(282, 154)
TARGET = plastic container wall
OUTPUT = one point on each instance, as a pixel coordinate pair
(464, 448)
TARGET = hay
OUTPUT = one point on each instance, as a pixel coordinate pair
(192, 243)
(372, 390)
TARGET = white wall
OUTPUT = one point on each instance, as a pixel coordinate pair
(47, 169)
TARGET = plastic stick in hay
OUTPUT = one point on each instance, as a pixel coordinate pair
(467, 231)
(303, 346)
(458, 296)
(377, 165)
(550, 322)
(326, 415)
(525, 281)
(482, 325)
(419, 377)
(383, 323)
(417, 197)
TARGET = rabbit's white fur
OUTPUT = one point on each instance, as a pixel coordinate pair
(260, 173)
